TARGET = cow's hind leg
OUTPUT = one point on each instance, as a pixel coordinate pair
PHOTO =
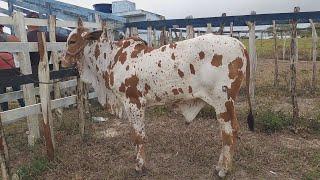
(229, 127)
(136, 115)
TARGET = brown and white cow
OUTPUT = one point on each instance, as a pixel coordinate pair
(189, 74)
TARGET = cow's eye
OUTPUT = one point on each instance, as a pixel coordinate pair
(71, 42)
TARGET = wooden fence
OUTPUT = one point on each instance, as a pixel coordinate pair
(32, 108)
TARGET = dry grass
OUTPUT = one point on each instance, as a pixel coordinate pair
(179, 151)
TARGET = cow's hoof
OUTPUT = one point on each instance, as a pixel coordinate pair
(222, 173)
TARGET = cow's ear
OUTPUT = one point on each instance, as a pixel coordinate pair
(95, 35)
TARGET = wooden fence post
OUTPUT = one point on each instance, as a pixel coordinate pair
(314, 54)
(170, 36)
(154, 38)
(221, 29)
(293, 60)
(134, 32)
(4, 155)
(55, 62)
(276, 57)
(163, 37)
(25, 68)
(180, 35)
(231, 29)
(44, 91)
(127, 34)
(209, 28)
(80, 105)
(190, 32)
(253, 61)
(175, 30)
(149, 36)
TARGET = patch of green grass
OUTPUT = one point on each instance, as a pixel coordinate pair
(159, 110)
(207, 112)
(36, 167)
(312, 175)
(270, 122)
(265, 47)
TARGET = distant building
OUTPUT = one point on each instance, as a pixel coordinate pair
(127, 9)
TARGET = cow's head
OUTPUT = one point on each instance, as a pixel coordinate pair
(78, 39)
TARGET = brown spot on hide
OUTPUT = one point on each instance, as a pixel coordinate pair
(235, 86)
(97, 68)
(159, 63)
(192, 69)
(111, 79)
(235, 67)
(132, 91)
(227, 138)
(163, 48)
(148, 49)
(137, 138)
(146, 88)
(105, 55)
(230, 115)
(97, 51)
(181, 74)
(201, 55)
(127, 68)
(173, 45)
(122, 88)
(123, 57)
(126, 44)
(190, 89)
(175, 91)
(137, 50)
(238, 76)
(216, 60)
(180, 90)
(173, 57)
(116, 57)
(106, 78)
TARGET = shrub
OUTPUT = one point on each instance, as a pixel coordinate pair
(270, 122)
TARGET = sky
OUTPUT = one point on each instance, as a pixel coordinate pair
(173, 9)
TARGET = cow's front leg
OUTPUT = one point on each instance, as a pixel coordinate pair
(135, 113)
(228, 128)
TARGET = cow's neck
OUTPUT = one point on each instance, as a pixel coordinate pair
(97, 59)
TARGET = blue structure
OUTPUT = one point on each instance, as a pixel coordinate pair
(103, 7)
(61, 10)
(259, 19)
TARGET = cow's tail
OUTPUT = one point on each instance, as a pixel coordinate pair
(250, 118)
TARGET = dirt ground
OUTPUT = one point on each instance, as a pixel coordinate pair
(176, 150)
